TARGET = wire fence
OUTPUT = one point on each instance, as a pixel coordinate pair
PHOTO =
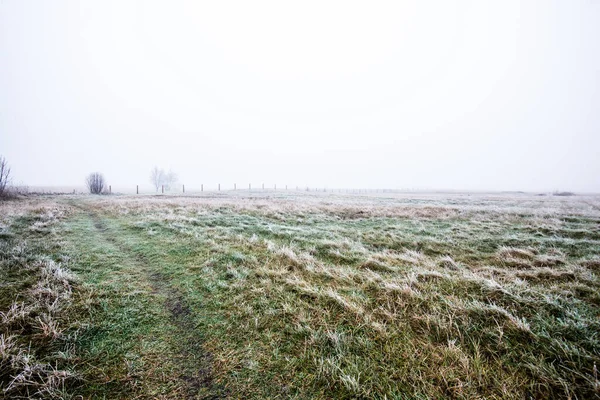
(205, 188)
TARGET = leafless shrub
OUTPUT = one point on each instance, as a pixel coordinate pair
(156, 176)
(19, 190)
(14, 191)
(4, 175)
(95, 182)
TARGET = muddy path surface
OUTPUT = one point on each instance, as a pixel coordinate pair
(192, 363)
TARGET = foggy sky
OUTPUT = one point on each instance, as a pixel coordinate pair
(501, 95)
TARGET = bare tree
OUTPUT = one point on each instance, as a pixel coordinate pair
(95, 182)
(159, 178)
(4, 175)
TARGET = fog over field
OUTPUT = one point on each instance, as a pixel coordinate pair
(461, 95)
(300, 200)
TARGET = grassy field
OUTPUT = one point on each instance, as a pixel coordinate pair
(268, 295)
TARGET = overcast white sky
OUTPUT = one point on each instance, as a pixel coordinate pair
(427, 94)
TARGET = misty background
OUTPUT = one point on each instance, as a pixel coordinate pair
(463, 95)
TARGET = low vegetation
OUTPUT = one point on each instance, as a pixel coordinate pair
(5, 177)
(301, 296)
(35, 302)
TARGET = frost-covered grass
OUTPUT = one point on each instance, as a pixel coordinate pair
(35, 299)
(303, 295)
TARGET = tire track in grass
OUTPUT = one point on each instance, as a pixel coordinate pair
(196, 377)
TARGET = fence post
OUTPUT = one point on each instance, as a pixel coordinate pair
(109, 189)
(234, 186)
(263, 186)
(202, 187)
(183, 188)
(249, 186)
(137, 189)
(219, 187)
(163, 188)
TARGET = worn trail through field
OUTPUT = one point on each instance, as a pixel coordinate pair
(195, 378)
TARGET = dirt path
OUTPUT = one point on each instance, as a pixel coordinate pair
(195, 378)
